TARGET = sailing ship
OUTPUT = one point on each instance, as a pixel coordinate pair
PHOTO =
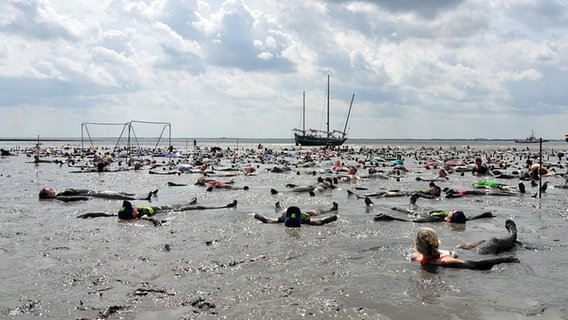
(530, 139)
(314, 137)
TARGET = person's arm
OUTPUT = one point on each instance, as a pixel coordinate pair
(72, 198)
(386, 217)
(95, 215)
(265, 219)
(479, 264)
(429, 219)
(403, 210)
(483, 215)
(155, 221)
(322, 221)
(469, 245)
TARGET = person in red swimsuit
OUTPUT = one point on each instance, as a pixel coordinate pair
(428, 253)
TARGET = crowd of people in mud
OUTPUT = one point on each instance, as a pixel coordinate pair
(508, 172)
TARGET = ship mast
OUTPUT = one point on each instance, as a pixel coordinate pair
(328, 133)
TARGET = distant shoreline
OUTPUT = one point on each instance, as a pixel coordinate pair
(291, 140)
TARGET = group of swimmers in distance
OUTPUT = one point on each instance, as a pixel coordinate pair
(427, 242)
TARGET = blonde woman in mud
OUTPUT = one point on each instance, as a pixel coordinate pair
(428, 253)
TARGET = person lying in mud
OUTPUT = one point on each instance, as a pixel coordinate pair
(294, 217)
(249, 170)
(321, 186)
(71, 194)
(442, 176)
(398, 164)
(480, 168)
(383, 194)
(452, 216)
(482, 190)
(432, 192)
(374, 173)
(494, 184)
(4, 152)
(349, 176)
(453, 193)
(214, 184)
(128, 211)
(428, 252)
(188, 168)
(100, 166)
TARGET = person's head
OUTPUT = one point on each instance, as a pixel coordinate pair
(128, 211)
(442, 173)
(101, 165)
(293, 217)
(201, 181)
(427, 243)
(478, 161)
(47, 193)
(352, 170)
(434, 189)
(456, 216)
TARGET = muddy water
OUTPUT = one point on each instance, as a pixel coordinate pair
(224, 264)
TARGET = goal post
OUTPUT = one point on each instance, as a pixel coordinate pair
(85, 130)
(132, 132)
(127, 132)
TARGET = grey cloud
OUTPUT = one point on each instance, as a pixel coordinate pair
(545, 96)
(52, 92)
(233, 43)
(428, 9)
(24, 18)
(538, 15)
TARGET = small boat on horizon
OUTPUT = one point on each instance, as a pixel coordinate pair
(531, 139)
(314, 137)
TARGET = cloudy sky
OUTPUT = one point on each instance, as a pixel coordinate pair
(238, 68)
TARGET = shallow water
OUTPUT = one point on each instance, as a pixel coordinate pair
(224, 264)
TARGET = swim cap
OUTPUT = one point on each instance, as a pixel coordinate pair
(458, 217)
(126, 211)
(293, 217)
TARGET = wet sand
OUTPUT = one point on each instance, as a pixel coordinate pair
(224, 264)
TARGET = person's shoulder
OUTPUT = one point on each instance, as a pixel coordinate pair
(416, 256)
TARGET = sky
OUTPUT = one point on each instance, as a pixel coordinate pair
(239, 68)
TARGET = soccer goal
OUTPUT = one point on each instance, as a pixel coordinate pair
(132, 136)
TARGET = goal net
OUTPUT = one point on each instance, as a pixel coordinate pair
(132, 136)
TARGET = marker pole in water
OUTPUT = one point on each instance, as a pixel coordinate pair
(539, 170)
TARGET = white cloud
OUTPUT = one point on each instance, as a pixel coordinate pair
(238, 67)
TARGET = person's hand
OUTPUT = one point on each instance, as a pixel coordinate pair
(156, 222)
(510, 259)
